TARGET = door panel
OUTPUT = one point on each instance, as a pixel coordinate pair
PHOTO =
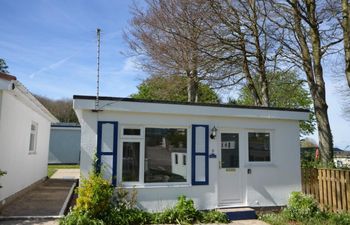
(230, 174)
(107, 138)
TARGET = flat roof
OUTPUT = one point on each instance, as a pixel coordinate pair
(124, 99)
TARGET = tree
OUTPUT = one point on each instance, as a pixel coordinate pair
(166, 37)
(172, 88)
(346, 36)
(62, 109)
(308, 32)
(287, 91)
(3, 66)
(242, 28)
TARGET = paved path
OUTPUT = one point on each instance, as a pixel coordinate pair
(46, 199)
(66, 174)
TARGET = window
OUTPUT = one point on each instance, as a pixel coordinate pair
(176, 159)
(229, 150)
(161, 147)
(184, 159)
(131, 161)
(259, 147)
(132, 131)
(33, 137)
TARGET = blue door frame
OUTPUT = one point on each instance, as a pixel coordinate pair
(100, 151)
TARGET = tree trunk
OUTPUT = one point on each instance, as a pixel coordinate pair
(346, 34)
(311, 60)
(259, 54)
(192, 86)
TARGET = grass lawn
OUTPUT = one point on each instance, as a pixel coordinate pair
(51, 169)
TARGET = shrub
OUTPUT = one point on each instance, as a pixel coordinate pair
(128, 217)
(213, 217)
(125, 199)
(301, 207)
(76, 218)
(184, 212)
(94, 197)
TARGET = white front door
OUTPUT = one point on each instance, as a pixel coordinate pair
(231, 187)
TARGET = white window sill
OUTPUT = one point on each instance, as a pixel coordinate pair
(147, 186)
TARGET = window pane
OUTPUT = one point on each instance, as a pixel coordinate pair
(130, 131)
(107, 137)
(31, 142)
(259, 146)
(200, 165)
(131, 161)
(161, 146)
(229, 151)
(107, 167)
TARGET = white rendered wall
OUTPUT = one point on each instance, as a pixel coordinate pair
(22, 168)
(269, 184)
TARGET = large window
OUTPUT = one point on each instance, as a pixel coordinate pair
(259, 147)
(33, 137)
(131, 161)
(163, 149)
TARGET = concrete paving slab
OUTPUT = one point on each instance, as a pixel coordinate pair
(46, 199)
(66, 174)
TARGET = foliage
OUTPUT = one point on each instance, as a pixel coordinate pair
(2, 173)
(3, 66)
(184, 212)
(95, 197)
(124, 199)
(62, 109)
(96, 205)
(172, 88)
(301, 207)
(78, 218)
(213, 217)
(132, 216)
(285, 90)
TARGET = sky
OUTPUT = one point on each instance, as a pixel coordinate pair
(50, 45)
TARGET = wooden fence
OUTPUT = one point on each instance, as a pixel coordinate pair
(330, 187)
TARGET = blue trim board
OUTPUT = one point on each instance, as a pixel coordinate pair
(100, 152)
(195, 154)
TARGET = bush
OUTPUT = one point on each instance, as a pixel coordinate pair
(77, 218)
(213, 217)
(301, 207)
(94, 197)
(183, 213)
(128, 217)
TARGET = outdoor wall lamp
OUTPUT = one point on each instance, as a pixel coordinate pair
(213, 132)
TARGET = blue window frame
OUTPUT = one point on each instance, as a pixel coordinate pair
(200, 154)
(101, 152)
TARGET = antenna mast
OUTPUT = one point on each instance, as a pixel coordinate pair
(98, 32)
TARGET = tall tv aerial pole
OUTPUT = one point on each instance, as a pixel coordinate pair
(98, 32)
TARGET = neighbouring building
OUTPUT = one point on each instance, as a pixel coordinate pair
(64, 143)
(217, 155)
(24, 137)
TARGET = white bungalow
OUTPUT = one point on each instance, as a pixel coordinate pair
(218, 155)
(24, 137)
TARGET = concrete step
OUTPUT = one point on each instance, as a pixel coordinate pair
(239, 213)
